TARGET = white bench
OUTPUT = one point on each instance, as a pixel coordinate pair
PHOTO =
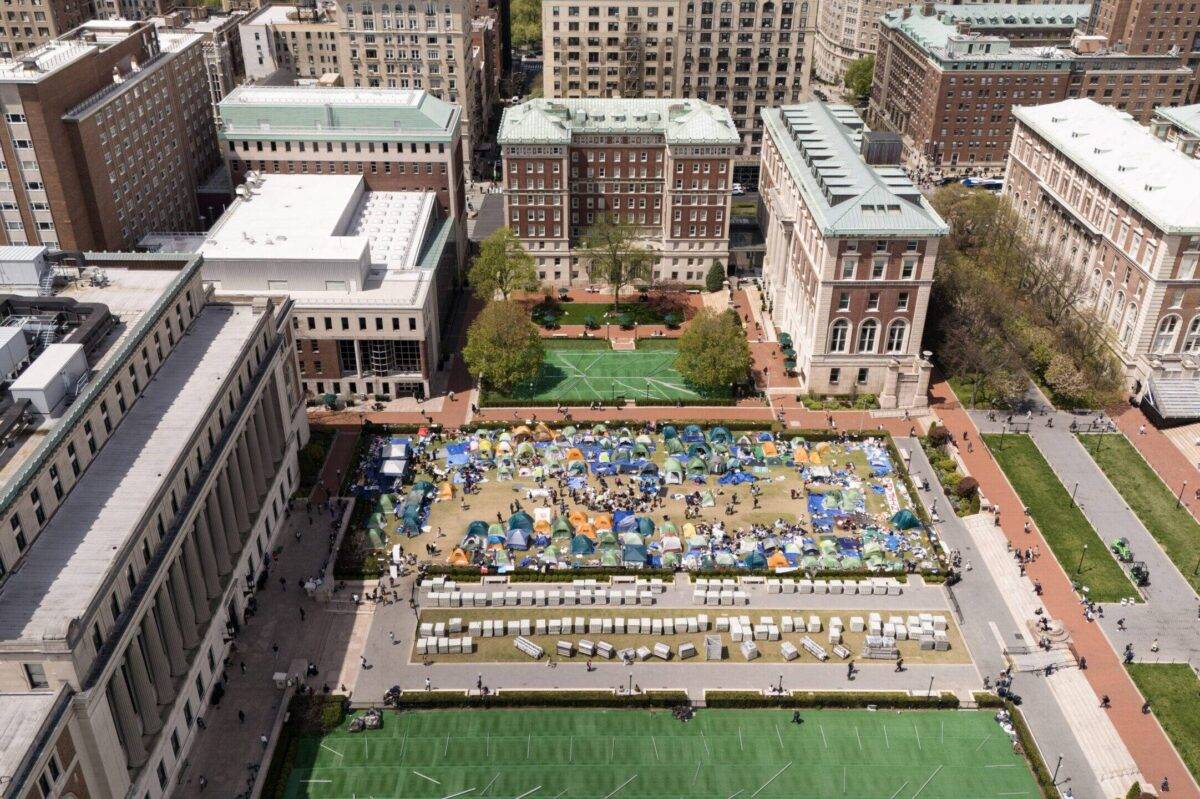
(529, 647)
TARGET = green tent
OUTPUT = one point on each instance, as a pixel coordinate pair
(561, 527)
(905, 519)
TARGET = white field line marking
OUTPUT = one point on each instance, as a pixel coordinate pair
(898, 790)
(768, 782)
(527, 793)
(858, 736)
(741, 744)
(704, 738)
(422, 776)
(331, 749)
(696, 776)
(655, 745)
(931, 776)
(885, 736)
(918, 734)
(823, 738)
(619, 787)
(985, 740)
(779, 735)
(489, 785)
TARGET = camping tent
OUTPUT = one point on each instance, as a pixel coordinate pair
(720, 434)
(582, 545)
(696, 467)
(520, 521)
(905, 519)
(518, 539)
(673, 470)
(692, 434)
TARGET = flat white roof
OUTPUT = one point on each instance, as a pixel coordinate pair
(1149, 174)
(71, 560)
(21, 718)
(47, 366)
(324, 216)
(314, 95)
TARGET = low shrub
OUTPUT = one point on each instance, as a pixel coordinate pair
(445, 699)
(967, 487)
(830, 699)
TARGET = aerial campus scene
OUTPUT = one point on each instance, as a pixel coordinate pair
(548, 399)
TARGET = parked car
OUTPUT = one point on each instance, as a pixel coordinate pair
(738, 190)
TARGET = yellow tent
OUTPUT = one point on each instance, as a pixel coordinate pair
(689, 530)
(541, 526)
(800, 455)
(822, 446)
(543, 433)
(777, 560)
(521, 433)
(459, 558)
(769, 449)
(815, 459)
(446, 490)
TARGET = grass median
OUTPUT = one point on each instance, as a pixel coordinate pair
(1171, 524)
(1082, 553)
(1173, 692)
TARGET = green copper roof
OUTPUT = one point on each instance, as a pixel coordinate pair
(1184, 117)
(338, 114)
(679, 121)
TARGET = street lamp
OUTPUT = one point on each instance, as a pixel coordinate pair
(781, 683)
(1079, 568)
(929, 693)
(1073, 491)
(630, 689)
(1057, 766)
(1179, 497)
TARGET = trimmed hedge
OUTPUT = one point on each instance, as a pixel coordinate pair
(1032, 754)
(307, 714)
(830, 699)
(462, 575)
(901, 577)
(414, 700)
(712, 402)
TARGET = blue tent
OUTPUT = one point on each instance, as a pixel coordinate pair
(521, 521)
(477, 529)
(633, 553)
(518, 539)
(669, 432)
(692, 434)
(720, 435)
(755, 560)
(625, 523)
(582, 545)
(645, 526)
(905, 519)
(649, 469)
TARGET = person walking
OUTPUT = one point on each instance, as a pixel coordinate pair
(262, 739)
(302, 614)
(1105, 702)
(428, 684)
(241, 716)
(203, 782)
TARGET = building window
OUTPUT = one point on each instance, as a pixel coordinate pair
(1168, 331)
(839, 334)
(863, 374)
(835, 375)
(878, 267)
(908, 268)
(35, 675)
(897, 336)
(1191, 342)
(866, 335)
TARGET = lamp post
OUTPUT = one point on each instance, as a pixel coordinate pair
(1073, 491)
(1179, 497)
(1057, 766)
(929, 693)
(630, 689)
(1082, 554)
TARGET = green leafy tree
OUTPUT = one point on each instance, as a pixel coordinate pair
(713, 350)
(858, 77)
(503, 346)
(715, 278)
(613, 253)
(502, 266)
(525, 17)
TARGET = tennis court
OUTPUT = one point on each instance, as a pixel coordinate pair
(576, 374)
(628, 754)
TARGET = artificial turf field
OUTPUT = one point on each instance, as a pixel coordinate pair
(631, 754)
(574, 374)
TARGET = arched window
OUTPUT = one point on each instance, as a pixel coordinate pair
(1130, 319)
(1191, 342)
(839, 335)
(1105, 298)
(1168, 331)
(1094, 286)
(897, 336)
(1118, 308)
(866, 335)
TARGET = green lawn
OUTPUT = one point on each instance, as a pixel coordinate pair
(1063, 525)
(577, 313)
(964, 387)
(578, 372)
(1155, 505)
(1173, 693)
(631, 754)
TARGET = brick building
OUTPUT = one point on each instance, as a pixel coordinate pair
(662, 165)
(110, 133)
(1116, 206)
(741, 55)
(1159, 28)
(1179, 125)
(395, 139)
(221, 45)
(948, 77)
(26, 24)
(850, 254)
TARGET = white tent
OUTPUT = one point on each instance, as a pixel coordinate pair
(395, 452)
(394, 468)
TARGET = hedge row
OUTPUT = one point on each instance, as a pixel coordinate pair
(412, 700)
(824, 575)
(1032, 754)
(712, 402)
(830, 699)
(466, 575)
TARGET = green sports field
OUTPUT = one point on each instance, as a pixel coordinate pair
(572, 373)
(630, 754)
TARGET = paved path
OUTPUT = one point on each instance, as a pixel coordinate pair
(994, 600)
(1145, 739)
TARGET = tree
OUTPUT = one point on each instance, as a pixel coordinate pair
(858, 77)
(502, 266)
(525, 17)
(503, 346)
(713, 350)
(715, 278)
(612, 252)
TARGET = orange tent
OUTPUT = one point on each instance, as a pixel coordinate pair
(541, 526)
(521, 433)
(543, 433)
(777, 560)
(586, 529)
(604, 521)
(459, 558)
(576, 518)
(769, 449)
(573, 454)
(800, 455)
(446, 491)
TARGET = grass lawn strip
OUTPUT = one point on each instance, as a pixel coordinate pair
(1173, 526)
(638, 755)
(1063, 525)
(1173, 692)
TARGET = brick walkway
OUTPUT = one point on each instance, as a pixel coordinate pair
(1145, 739)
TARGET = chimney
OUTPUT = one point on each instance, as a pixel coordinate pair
(963, 27)
(927, 8)
(907, 12)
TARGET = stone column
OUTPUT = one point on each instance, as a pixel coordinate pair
(234, 499)
(245, 478)
(180, 591)
(169, 626)
(127, 720)
(255, 455)
(273, 420)
(201, 591)
(143, 689)
(214, 539)
(233, 524)
(156, 656)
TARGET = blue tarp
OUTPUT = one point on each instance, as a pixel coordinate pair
(736, 478)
